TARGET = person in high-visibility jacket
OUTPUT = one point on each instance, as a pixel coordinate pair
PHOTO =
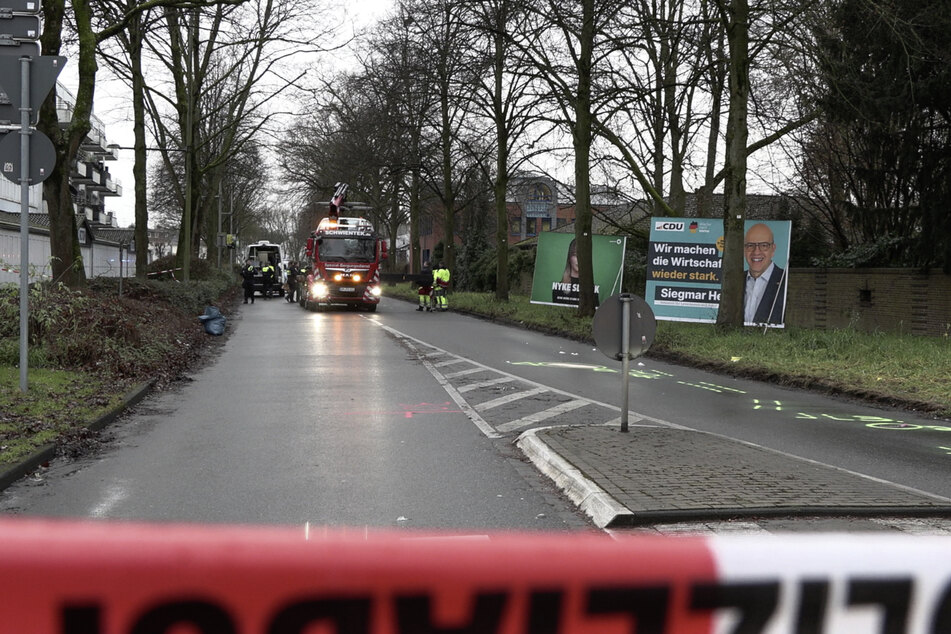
(440, 286)
(267, 272)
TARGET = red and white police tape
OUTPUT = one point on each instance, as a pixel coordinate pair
(172, 271)
(66, 577)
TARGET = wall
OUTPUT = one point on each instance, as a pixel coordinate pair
(10, 256)
(890, 300)
(101, 259)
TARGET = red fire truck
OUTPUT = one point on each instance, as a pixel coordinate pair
(346, 256)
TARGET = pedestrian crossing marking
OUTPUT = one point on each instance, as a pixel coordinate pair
(453, 375)
(443, 364)
(509, 398)
(486, 383)
(538, 417)
(428, 355)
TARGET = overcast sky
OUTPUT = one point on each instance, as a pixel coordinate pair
(113, 107)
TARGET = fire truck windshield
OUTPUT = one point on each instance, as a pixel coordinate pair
(333, 249)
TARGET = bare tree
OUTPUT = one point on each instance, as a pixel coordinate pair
(225, 64)
(568, 47)
(131, 70)
(439, 29)
(503, 97)
(353, 134)
(768, 21)
(64, 242)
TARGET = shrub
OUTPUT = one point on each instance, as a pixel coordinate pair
(152, 329)
(483, 270)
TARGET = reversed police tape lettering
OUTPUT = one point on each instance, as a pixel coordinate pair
(101, 578)
(752, 606)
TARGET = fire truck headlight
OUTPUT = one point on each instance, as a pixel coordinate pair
(338, 277)
(356, 277)
(319, 290)
(376, 291)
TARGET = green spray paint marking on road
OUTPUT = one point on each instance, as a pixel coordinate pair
(638, 374)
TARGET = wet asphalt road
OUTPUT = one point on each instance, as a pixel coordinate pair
(303, 418)
(408, 419)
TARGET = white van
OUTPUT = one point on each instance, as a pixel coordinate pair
(261, 252)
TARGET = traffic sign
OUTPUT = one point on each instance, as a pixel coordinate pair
(19, 27)
(10, 47)
(608, 327)
(624, 328)
(42, 156)
(20, 6)
(44, 69)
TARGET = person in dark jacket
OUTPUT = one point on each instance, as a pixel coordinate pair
(247, 274)
(290, 289)
(425, 287)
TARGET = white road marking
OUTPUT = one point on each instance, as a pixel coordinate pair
(115, 494)
(509, 398)
(538, 417)
(417, 345)
(453, 375)
(443, 364)
(487, 383)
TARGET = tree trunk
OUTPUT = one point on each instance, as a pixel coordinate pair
(730, 314)
(501, 172)
(66, 256)
(139, 166)
(501, 235)
(677, 195)
(67, 262)
(449, 194)
(658, 124)
(714, 59)
(414, 186)
(582, 145)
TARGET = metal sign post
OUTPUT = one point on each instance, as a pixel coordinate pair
(623, 329)
(626, 357)
(24, 218)
(26, 77)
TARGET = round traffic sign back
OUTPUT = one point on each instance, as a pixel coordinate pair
(608, 326)
(42, 156)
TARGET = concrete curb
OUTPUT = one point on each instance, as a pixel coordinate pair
(48, 452)
(588, 496)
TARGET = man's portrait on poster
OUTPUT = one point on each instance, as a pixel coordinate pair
(764, 295)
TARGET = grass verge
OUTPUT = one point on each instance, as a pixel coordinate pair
(89, 348)
(48, 410)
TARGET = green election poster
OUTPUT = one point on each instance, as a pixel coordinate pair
(556, 268)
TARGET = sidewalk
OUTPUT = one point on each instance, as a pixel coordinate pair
(654, 475)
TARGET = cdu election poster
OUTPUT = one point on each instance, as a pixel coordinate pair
(556, 268)
(684, 261)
